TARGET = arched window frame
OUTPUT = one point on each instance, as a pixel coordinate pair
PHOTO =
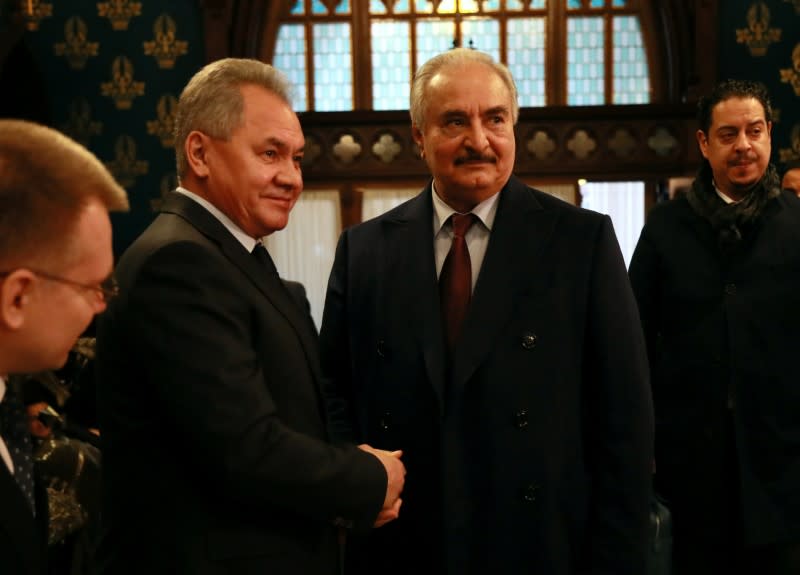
(554, 14)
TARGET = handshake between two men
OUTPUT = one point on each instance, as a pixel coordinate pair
(395, 474)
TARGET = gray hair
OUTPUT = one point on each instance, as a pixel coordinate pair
(212, 100)
(453, 59)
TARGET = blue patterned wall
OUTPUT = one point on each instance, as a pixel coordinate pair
(761, 41)
(112, 72)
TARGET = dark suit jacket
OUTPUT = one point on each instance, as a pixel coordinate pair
(216, 452)
(534, 455)
(724, 329)
(23, 539)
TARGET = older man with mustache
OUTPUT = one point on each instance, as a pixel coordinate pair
(488, 330)
(717, 278)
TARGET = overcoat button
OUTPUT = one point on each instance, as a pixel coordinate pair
(529, 493)
(521, 419)
(528, 340)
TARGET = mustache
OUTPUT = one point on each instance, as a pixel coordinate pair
(744, 158)
(475, 158)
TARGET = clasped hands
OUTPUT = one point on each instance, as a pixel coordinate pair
(395, 473)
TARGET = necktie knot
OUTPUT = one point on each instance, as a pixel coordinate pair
(263, 257)
(461, 223)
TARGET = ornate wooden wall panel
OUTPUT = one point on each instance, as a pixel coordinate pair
(612, 143)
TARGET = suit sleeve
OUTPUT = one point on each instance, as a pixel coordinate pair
(619, 423)
(197, 337)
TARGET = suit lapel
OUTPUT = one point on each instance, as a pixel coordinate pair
(517, 244)
(16, 519)
(273, 289)
(410, 265)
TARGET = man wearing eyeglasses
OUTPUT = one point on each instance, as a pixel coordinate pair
(55, 263)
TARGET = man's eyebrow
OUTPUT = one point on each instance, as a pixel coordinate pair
(282, 145)
(757, 122)
(276, 142)
(497, 110)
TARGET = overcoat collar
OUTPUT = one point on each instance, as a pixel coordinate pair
(520, 232)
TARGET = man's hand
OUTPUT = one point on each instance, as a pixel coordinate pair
(395, 473)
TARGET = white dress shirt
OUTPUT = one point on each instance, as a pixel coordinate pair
(247, 242)
(477, 236)
(4, 454)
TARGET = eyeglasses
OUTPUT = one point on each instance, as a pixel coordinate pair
(106, 289)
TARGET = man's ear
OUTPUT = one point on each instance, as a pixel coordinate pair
(416, 133)
(196, 149)
(702, 141)
(15, 297)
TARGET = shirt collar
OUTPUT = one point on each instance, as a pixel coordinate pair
(247, 242)
(485, 211)
(725, 198)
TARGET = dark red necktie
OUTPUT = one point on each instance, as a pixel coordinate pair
(455, 280)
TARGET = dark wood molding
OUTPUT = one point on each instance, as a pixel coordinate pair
(217, 16)
(626, 140)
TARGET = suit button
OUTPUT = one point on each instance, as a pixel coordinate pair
(521, 419)
(381, 348)
(730, 289)
(529, 493)
(386, 421)
(528, 340)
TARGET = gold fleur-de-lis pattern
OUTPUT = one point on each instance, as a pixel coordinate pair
(163, 126)
(77, 48)
(122, 87)
(80, 125)
(793, 152)
(165, 47)
(35, 11)
(111, 71)
(758, 35)
(119, 12)
(125, 166)
(791, 75)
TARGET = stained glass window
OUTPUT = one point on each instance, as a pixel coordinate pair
(367, 61)
(391, 65)
(585, 61)
(333, 83)
(292, 61)
(631, 77)
(526, 53)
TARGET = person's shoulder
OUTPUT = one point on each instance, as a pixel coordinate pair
(560, 206)
(789, 199)
(403, 212)
(665, 213)
(169, 236)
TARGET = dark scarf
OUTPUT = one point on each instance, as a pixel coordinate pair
(731, 222)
